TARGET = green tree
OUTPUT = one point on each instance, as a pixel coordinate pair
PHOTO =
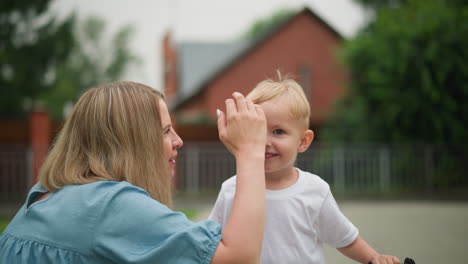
(377, 4)
(264, 25)
(409, 76)
(32, 45)
(93, 60)
(409, 83)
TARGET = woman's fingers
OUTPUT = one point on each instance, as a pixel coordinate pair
(242, 105)
(221, 123)
(231, 108)
(250, 105)
(243, 126)
(240, 102)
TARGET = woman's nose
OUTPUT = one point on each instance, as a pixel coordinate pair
(177, 142)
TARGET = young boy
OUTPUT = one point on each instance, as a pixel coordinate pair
(301, 212)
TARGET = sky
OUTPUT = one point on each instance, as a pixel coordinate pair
(196, 20)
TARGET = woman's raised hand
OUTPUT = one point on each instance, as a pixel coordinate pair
(243, 128)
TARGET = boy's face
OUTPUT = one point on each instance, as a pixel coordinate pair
(286, 137)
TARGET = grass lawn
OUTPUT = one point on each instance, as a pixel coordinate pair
(190, 213)
(3, 223)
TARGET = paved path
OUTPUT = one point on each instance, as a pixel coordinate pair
(429, 232)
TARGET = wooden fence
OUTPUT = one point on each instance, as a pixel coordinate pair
(15, 172)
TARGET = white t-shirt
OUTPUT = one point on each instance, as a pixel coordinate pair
(298, 220)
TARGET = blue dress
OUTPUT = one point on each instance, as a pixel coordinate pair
(104, 222)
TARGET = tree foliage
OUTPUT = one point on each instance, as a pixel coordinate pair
(264, 25)
(377, 4)
(409, 76)
(49, 63)
(32, 45)
(93, 60)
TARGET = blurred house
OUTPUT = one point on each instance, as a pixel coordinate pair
(199, 76)
(24, 144)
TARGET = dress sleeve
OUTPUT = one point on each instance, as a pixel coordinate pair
(333, 227)
(134, 228)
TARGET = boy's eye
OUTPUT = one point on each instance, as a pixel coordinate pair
(278, 132)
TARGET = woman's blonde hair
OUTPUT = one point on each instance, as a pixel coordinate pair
(283, 86)
(113, 133)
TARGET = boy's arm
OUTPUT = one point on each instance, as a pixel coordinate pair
(362, 252)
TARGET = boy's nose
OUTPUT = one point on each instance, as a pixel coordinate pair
(268, 141)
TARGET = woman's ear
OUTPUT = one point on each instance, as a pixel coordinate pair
(307, 138)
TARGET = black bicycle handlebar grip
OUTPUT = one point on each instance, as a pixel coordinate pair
(407, 261)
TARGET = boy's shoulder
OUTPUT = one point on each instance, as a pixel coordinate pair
(312, 182)
(310, 178)
(230, 183)
(228, 187)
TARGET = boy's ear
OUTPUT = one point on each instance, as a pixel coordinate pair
(307, 138)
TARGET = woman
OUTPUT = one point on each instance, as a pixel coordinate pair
(104, 191)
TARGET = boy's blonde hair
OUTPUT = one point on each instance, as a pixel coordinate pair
(284, 86)
(113, 133)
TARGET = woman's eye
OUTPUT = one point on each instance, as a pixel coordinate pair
(278, 132)
(167, 131)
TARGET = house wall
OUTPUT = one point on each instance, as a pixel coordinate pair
(14, 132)
(305, 40)
(21, 131)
